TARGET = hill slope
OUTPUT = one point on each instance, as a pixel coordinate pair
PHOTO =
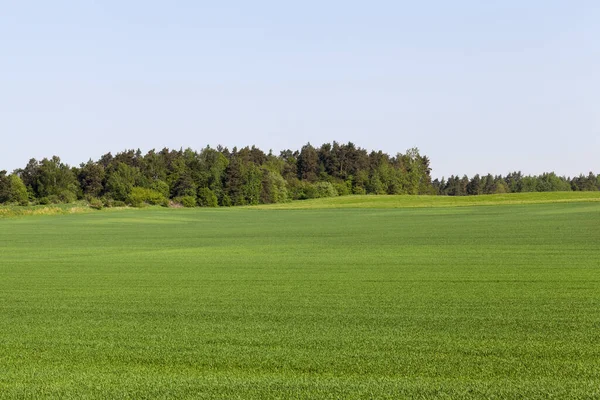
(382, 201)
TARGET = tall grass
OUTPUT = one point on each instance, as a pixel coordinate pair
(17, 211)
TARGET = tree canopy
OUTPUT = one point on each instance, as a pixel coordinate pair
(222, 177)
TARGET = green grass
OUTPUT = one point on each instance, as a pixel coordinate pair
(447, 302)
(361, 201)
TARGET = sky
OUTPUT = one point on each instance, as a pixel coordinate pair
(478, 86)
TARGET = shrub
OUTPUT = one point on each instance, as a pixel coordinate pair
(186, 201)
(296, 189)
(65, 196)
(140, 196)
(54, 199)
(302, 190)
(207, 198)
(325, 189)
(226, 201)
(95, 203)
(359, 190)
(341, 188)
(107, 202)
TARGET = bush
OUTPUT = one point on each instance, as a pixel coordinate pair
(207, 198)
(95, 203)
(54, 199)
(296, 189)
(107, 202)
(325, 189)
(140, 196)
(341, 188)
(44, 201)
(161, 187)
(186, 201)
(302, 190)
(359, 190)
(226, 201)
(65, 196)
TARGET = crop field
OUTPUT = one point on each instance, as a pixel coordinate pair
(368, 301)
(400, 201)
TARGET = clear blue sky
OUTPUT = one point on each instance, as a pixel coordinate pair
(479, 86)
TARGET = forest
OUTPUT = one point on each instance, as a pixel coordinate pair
(218, 176)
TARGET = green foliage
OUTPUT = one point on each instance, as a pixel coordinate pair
(51, 179)
(500, 187)
(248, 176)
(302, 190)
(13, 190)
(325, 189)
(375, 185)
(226, 201)
(253, 184)
(474, 187)
(138, 197)
(207, 198)
(64, 196)
(586, 183)
(550, 182)
(308, 163)
(4, 187)
(121, 181)
(359, 190)
(186, 201)
(273, 188)
(296, 189)
(107, 201)
(343, 188)
(215, 164)
(95, 203)
(244, 181)
(91, 176)
(18, 191)
(161, 187)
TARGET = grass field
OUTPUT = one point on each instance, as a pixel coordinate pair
(444, 302)
(436, 201)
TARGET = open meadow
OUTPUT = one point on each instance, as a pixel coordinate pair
(372, 299)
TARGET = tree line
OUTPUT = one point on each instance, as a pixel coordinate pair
(247, 176)
(514, 182)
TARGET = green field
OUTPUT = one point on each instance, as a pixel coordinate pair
(437, 201)
(383, 301)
